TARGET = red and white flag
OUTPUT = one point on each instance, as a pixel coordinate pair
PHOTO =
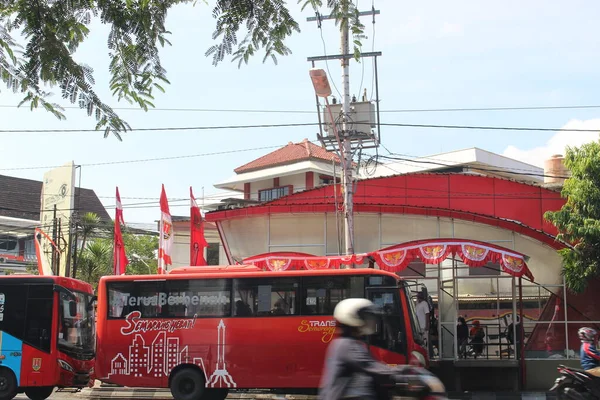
(44, 267)
(165, 243)
(197, 240)
(120, 260)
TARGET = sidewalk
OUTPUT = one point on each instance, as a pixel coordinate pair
(100, 392)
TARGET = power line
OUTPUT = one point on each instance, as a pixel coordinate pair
(143, 160)
(183, 128)
(500, 128)
(303, 124)
(405, 110)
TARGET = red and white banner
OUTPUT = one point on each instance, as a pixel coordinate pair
(120, 260)
(397, 258)
(165, 240)
(197, 240)
(472, 252)
(282, 261)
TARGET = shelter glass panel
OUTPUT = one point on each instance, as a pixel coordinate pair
(401, 228)
(246, 237)
(366, 233)
(291, 230)
(484, 233)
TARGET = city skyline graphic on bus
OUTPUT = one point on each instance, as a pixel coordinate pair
(163, 353)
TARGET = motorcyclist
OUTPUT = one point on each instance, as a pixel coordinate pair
(589, 355)
(350, 371)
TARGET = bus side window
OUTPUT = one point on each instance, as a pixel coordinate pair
(320, 295)
(199, 297)
(14, 309)
(265, 297)
(118, 295)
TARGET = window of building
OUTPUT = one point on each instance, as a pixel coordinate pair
(212, 254)
(265, 297)
(274, 193)
(321, 294)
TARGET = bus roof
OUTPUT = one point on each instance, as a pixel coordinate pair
(215, 268)
(69, 283)
(237, 271)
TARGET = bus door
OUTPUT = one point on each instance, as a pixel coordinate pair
(389, 343)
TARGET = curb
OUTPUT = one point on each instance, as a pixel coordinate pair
(165, 394)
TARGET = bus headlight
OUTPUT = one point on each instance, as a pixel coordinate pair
(66, 366)
(418, 358)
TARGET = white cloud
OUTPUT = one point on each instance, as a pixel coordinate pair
(449, 29)
(557, 143)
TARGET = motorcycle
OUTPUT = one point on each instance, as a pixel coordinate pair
(576, 384)
(423, 385)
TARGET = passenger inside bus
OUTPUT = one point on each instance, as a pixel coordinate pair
(279, 308)
(242, 309)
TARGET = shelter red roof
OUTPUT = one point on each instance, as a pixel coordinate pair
(291, 153)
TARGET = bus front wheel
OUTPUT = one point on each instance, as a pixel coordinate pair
(8, 384)
(187, 384)
(39, 393)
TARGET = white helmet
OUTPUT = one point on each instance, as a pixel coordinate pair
(357, 313)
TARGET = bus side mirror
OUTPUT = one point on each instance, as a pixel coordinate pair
(90, 305)
(419, 339)
(400, 337)
(72, 308)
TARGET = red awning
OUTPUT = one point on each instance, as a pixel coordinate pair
(472, 252)
(397, 258)
(281, 261)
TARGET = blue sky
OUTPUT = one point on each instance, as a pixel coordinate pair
(435, 55)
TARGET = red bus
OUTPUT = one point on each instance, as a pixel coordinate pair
(47, 335)
(203, 331)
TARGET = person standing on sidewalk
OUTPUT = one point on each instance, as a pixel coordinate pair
(423, 316)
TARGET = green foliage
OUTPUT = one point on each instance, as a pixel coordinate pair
(96, 259)
(54, 29)
(578, 221)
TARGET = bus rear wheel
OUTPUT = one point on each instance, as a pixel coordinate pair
(39, 393)
(8, 384)
(187, 384)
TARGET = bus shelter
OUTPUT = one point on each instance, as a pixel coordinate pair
(457, 274)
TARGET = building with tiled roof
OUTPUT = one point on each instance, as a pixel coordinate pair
(290, 169)
(20, 214)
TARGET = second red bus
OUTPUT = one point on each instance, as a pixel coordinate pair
(202, 334)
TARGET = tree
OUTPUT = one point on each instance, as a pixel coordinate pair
(54, 29)
(578, 221)
(89, 223)
(96, 259)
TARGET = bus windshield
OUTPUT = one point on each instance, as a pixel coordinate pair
(76, 333)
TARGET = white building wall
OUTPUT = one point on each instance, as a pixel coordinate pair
(181, 245)
(316, 234)
(259, 185)
(298, 181)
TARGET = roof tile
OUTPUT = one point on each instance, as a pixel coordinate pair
(20, 198)
(291, 153)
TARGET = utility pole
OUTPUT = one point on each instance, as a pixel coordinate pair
(54, 258)
(356, 133)
(347, 144)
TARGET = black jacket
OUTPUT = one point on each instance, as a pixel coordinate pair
(351, 372)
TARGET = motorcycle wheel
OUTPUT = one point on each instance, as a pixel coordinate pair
(562, 395)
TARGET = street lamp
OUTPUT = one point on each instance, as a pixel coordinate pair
(139, 258)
